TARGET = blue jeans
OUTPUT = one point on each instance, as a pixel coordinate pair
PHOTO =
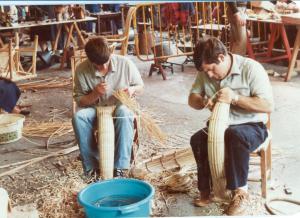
(240, 140)
(84, 123)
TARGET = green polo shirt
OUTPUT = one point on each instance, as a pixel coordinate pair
(123, 73)
(248, 78)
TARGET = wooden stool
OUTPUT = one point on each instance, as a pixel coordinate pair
(264, 153)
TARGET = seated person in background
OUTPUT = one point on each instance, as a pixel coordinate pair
(95, 81)
(92, 8)
(9, 96)
(244, 84)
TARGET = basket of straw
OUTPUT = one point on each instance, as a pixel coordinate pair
(11, 126)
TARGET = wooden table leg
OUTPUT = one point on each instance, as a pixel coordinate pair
(285, 42)
(57, 37)
(64, 57)
(79, 34)
(294, 56)
(98, 23)
(274, 29)
(72, 38)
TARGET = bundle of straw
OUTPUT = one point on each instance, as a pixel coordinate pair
(47, 129)
(46, 84)
(147, 122)
(166, 161)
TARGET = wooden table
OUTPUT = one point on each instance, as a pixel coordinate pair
(275, 27)
(293, 19)
(104, 15)
(69, 25)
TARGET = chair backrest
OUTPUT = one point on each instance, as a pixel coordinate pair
(10, 60)
(130, 14)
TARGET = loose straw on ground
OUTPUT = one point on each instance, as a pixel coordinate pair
(147, 122)
(57, 82)
(37, 159)
(48, 130)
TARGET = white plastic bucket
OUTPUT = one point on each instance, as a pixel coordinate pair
(11, 126)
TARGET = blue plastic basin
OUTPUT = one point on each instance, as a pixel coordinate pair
(117, 198)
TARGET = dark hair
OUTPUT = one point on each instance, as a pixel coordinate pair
(207, 51)
(97, 50)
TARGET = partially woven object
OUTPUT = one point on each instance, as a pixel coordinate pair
(218, 123)
(106, 141)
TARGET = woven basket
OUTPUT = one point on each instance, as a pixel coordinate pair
(11, 126)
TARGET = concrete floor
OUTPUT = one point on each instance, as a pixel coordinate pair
(168, 100)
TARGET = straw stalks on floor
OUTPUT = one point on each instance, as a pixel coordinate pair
(56, 82)
(47, 129)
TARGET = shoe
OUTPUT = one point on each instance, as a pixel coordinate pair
(204, 199)
(120, 173)
(238, 204)
(25, 112)
(92, 176)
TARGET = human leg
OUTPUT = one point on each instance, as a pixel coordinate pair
(199, 146)
(240, 140)
(83, 125)
(123, 137)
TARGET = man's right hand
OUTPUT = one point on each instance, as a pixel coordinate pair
(101, 89)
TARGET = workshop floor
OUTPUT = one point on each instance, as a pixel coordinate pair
(167, 101)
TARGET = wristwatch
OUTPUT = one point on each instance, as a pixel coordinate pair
(235, 99)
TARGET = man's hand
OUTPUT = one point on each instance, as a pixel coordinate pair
(130, 91)
(225, 95)
(209, 103)
(101, 89)
(239, 19)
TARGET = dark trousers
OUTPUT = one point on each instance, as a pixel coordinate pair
(240, 141)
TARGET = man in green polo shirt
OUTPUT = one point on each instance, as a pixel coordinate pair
(243, 83)
(95, 81)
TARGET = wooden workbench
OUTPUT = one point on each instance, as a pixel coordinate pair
(293, 19)
(68, 25)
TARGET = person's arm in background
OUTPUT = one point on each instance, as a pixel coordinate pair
(233, 7)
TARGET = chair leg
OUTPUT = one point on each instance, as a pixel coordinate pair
(161, 70)
(151, 69)
(263, 170)
(269, 160)
(135, 143)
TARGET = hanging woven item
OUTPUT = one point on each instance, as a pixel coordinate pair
(106, 141)
(218, 123)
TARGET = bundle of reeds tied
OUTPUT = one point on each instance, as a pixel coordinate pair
(106, 141)
(146, 121)
(218, 123)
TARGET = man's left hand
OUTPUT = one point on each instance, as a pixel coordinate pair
(225, 95)
(130, 91)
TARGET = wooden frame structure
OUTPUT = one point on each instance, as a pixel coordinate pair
(264, 153)
(10, 60)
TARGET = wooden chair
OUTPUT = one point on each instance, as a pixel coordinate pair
(123, 38)
(264, 154)
(10, 60)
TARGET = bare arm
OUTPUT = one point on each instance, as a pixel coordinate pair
(94, 96)
(251, 104)
(199, 102)
(254, 104)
